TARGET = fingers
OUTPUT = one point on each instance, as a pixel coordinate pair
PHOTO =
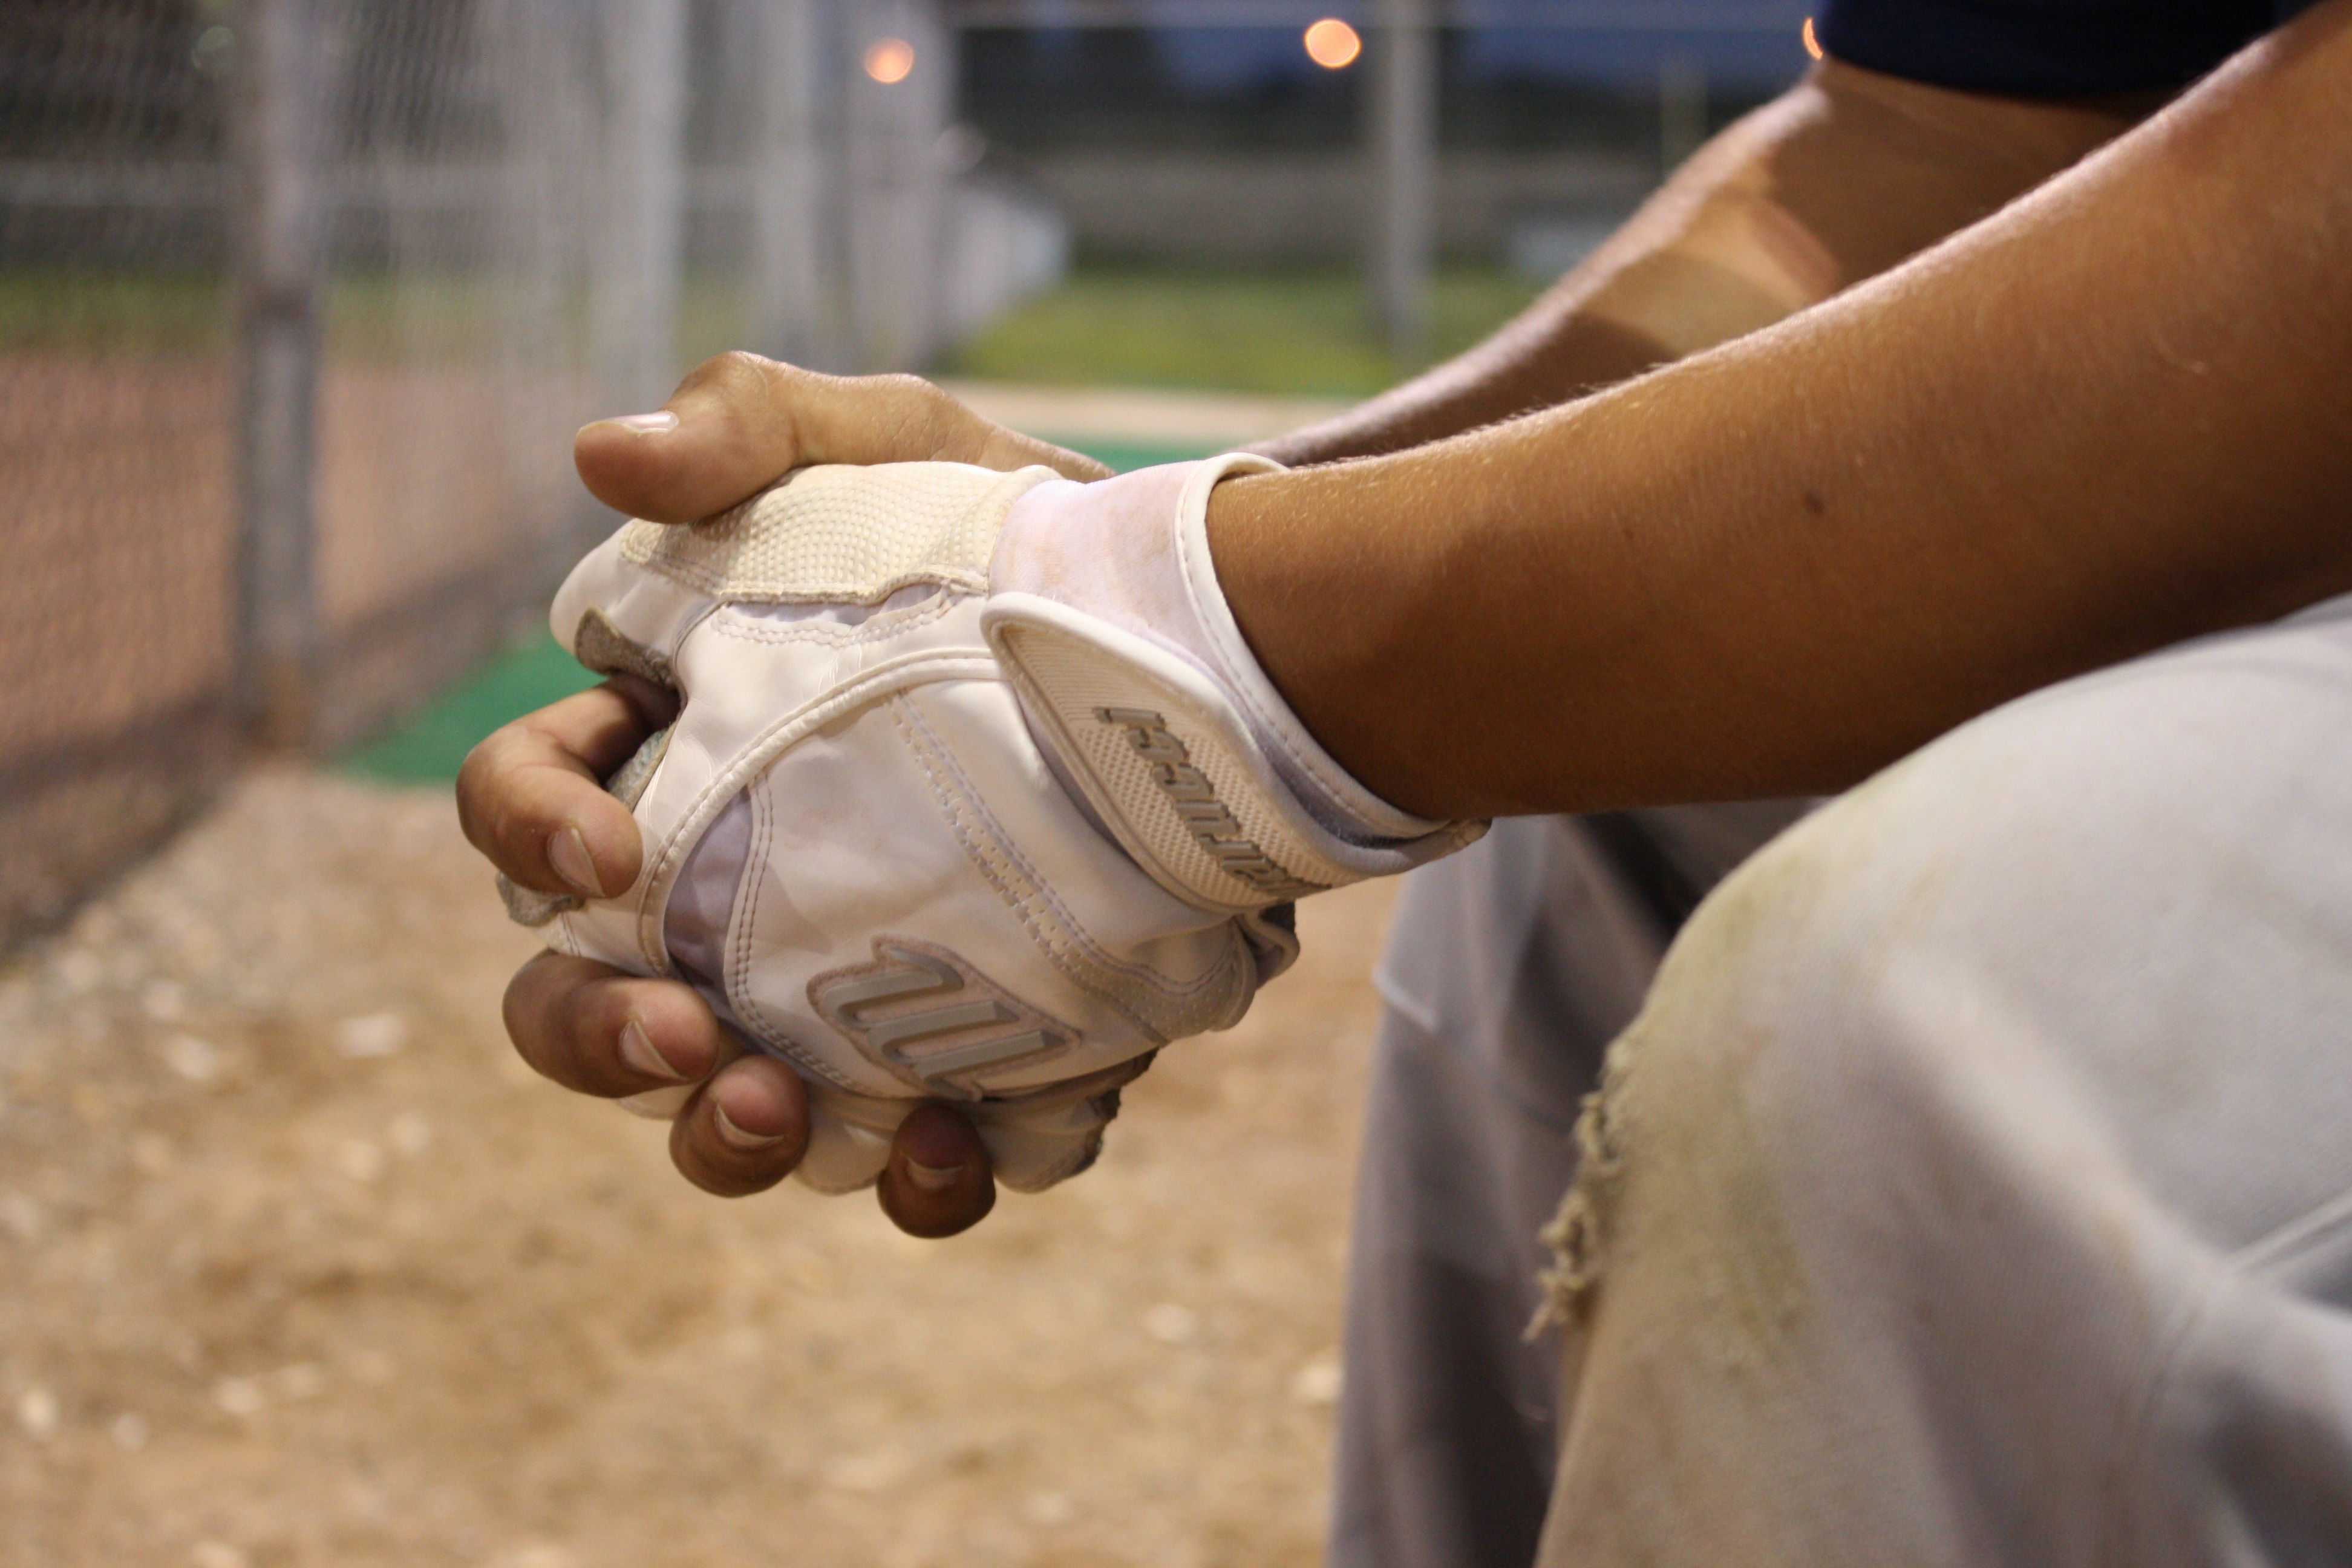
(739, 421)
(745, 1132)
(593, 1028)
(745, 1123)
(530, 797)
(937, 1181)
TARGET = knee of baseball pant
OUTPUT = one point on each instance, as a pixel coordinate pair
(1832, 1021)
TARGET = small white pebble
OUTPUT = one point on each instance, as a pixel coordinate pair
(1050, 1509)
(540, 1555)
(37, 1413)
(303, 1379)
(240, 1396)
(411, 1134)
(1171, 1324)
(196, 1060)
(79, 969)
(1318, 1382)
(21, 1217)
(866, 1472)
(129, 1431)
(371, 1036)
(360, 1160)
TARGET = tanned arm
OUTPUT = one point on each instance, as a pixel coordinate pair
(1835, 181)
(2115, 413)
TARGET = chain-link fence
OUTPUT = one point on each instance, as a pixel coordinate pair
(301, 299)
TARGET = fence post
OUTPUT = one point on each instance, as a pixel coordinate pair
(636, 262)
(1682, 111)
(1404, 141)
(791, 272)
(896, 189)
(278, 248)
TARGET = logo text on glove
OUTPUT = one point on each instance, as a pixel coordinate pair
(1205, 817)
(946, 1049)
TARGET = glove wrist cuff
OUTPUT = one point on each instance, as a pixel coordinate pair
(1329, 792)
(1107, 617)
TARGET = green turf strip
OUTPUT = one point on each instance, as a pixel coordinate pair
(428, 745)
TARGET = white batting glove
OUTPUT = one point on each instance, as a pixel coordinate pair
(855, 848)
(1105, 611)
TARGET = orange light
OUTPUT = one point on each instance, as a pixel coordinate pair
(889, 60)
(1812, 45)
(1332, 44)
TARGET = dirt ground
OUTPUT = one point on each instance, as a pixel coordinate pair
(299, 1265)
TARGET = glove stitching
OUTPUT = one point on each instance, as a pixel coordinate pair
(1003, 865)
(1336, 783)
(752, 756)
(1260, 725)
(968, 796)
(875, 628)
(762, 748)
(772, 1035)
(991, 859)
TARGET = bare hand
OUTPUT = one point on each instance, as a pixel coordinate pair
(740, 422)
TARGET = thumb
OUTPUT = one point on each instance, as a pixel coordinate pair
(740, 422)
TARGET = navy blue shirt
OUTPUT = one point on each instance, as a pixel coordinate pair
(2045, 48)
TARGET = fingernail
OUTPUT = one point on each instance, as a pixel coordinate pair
(734, 1137)
(932, 1178)
(647, 423)
(657, 1104)
(567, 852)
(637, 1050)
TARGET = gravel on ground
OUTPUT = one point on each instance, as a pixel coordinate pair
(299, 1265)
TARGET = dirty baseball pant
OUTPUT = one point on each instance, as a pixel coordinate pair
(1510, 967)
(1975, 1186)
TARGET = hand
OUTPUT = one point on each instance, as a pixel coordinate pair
(740, 422)
(530, 797)
(848, 832)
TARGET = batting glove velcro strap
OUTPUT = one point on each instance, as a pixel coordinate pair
(853, 847)
(1105, 611)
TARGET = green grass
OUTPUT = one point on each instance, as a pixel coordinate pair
(1298, 334)
(1304, 334)
(371, 316)
(1301, 332)
(427, 747)
(103, 312)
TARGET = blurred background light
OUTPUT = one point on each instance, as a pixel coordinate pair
(890, 60)
(1332, 44)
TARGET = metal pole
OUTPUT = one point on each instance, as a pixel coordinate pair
(1682, 111)
(896, 191)
(635, 287)
(791, 280)
(279, 251)
(1404, 139)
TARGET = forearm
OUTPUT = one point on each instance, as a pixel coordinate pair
(1836, 179)
(2111, 416)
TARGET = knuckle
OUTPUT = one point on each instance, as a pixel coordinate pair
(920, 410)
(735, 368)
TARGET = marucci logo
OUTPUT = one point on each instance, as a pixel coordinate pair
(947, 1048)
(1213, 827)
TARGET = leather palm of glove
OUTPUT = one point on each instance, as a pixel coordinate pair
(974, 795)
